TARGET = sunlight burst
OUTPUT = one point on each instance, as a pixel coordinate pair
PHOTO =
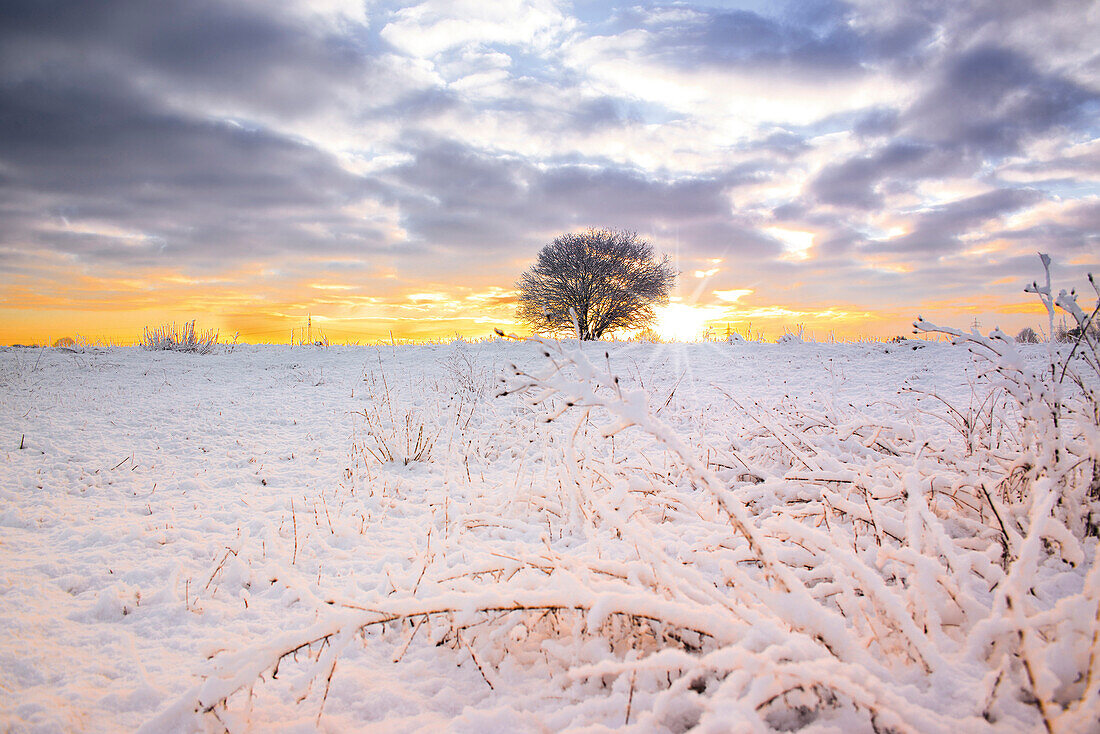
(681, 322)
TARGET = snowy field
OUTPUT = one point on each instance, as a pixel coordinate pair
(815, 537)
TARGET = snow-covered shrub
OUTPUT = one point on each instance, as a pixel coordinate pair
(795, 336)
(174, 338)
(465, 376)
(870, 539)
(1057, 449)
(394, 427)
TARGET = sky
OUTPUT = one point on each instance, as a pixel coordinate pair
(392, 168)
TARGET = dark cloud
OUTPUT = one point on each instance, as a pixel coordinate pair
(456, 176)
(902, 44)
(600, 113)
(858, 181)
(1076, 232)
(982, 104)
(453, 194)
(991, 98)
(629, 195)
(253, 56)
(87, 151)
(937, 231)
(817, 39)
(876, 122)
(420, 104)
(1085, 215)
(101, 161)
(781, 142)
(724, 237)
(96, 138)
(837, 243)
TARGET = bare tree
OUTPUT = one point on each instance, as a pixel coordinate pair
(595, 281)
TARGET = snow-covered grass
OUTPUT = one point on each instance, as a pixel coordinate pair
(814, 537)
(174, 338)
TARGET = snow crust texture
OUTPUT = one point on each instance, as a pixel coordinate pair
(537, 536)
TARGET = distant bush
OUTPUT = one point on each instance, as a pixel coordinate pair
(647, 334)
(1027, 335)
(80, 345)
(1089, 330)
(173, 338)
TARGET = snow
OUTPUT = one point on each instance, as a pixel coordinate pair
(682, 544)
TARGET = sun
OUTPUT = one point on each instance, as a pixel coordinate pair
(680, 322)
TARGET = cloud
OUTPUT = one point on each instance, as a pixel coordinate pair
(732, 296)
(858, 181)
(1074, 231)
(817, 40)
(433, 27)
(938, 230)
(249, 56)
(83, 153)
(783, 143)
(876, 122)
(918, 146)
(991, 98)
(469, 198)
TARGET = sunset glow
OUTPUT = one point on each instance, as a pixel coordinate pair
(681, 322)
(387, 170)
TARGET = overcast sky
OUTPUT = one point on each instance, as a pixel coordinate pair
(383, 165)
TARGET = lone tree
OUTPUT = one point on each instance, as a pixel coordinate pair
(595, 281)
